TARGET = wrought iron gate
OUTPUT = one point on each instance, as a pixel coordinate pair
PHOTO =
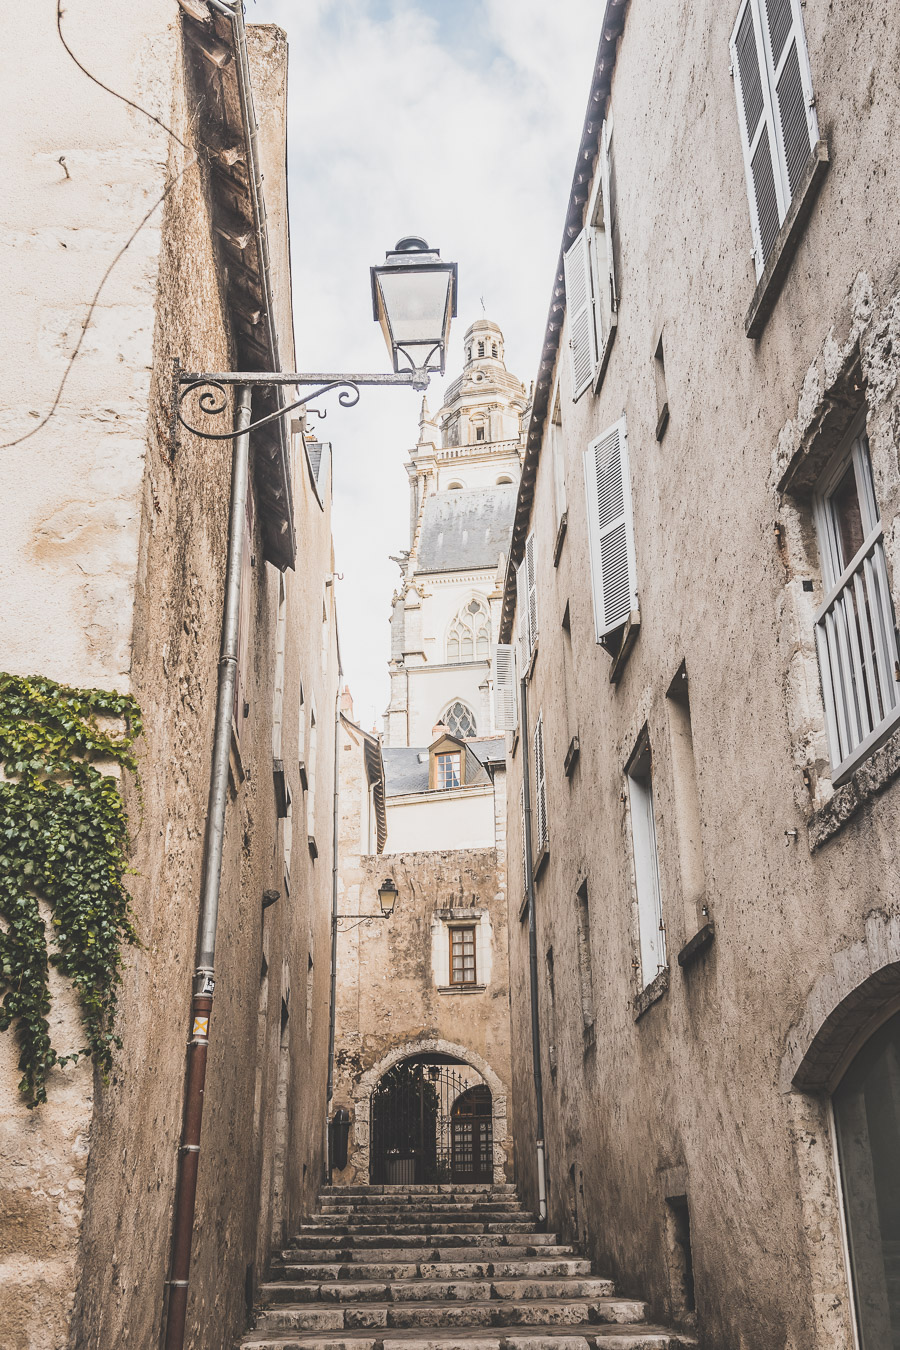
(430, 1122)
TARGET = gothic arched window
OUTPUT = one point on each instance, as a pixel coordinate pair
(459, 720)
(469, 638)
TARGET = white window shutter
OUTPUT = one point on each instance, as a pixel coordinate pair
(524, 839)
(580, 312)
(531, 582)
(522, 615)
(791, 88)
(540, 784)
(759, 138)
(610, 529)
(607, 215)
(505, 701)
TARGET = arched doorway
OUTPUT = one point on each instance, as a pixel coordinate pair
(430, 1122)
(867, 1121)
(472, 1136)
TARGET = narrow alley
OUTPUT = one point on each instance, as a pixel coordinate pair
(450, 681)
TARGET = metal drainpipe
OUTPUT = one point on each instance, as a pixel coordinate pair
(204, 981)
(332, 1007)
(533, 969)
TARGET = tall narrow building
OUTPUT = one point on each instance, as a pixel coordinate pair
(463, 479)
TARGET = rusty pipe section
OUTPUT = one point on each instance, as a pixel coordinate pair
(204, 974)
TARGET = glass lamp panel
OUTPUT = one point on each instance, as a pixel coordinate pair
(415, 303)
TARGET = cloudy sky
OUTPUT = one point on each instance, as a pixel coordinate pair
(454, 119)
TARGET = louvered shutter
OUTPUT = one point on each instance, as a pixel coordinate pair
(531, 582)
(524, 836)
(522, 615)
(610, 529)
(775, 110)
(580, 312)
(758, 134)
(505, 702)
(540, 785)
(608, 212)
(791, 85)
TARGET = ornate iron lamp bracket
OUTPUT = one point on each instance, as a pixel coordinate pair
(213, 388)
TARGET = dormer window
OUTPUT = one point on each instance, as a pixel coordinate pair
(448, 770)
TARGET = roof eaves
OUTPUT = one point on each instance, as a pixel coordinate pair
(611, 30)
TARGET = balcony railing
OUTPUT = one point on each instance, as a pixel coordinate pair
(856, 639)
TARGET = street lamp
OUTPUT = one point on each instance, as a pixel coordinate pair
(387, 900)
(387, 896)
(413, 298)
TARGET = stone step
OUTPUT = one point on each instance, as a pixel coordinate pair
(430, 1270)
(525, 1338)
(485, 1253)
(354, 1218)
(345, 1241)
(339, 1224)
(481, 1313)
(389, 1208)
(425, 1290)
(427, 1188)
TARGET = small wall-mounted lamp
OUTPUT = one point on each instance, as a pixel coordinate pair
(387, 896)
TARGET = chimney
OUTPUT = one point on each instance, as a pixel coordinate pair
(347, 702)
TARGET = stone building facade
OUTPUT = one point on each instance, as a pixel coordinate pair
(423, 997)
(702, 588)
(112, 562)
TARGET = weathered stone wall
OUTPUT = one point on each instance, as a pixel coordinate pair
(392, 994)
(113, 565)
(694, 1095)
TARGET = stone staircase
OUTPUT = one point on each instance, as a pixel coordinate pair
(439, 1268)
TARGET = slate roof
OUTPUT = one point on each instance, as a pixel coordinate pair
(403, 773)
(489, 749)
(469, 527)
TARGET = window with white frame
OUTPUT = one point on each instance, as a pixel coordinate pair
(469, 635)
(856, 633)
(776, 112)
(610, 530)
(526, 588)
(589, 269)
(540, 789)
(651, 932)
(448, 770)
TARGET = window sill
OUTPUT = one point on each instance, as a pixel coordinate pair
(629, 638)
(869, 780)
(572, 754)
(651, 994)
(778, 266)
(560, 537)
(532, 661)
(461, 988)
(541, 859)
(695, 946)
(604, 355)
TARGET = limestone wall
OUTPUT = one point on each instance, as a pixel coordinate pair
(393, 994)
(685, 1092)
(112, 564)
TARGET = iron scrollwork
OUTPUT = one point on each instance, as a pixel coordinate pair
(213, 402)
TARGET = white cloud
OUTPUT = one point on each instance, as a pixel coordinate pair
(456, 121)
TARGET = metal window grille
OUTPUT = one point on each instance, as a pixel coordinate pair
(462, 956)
